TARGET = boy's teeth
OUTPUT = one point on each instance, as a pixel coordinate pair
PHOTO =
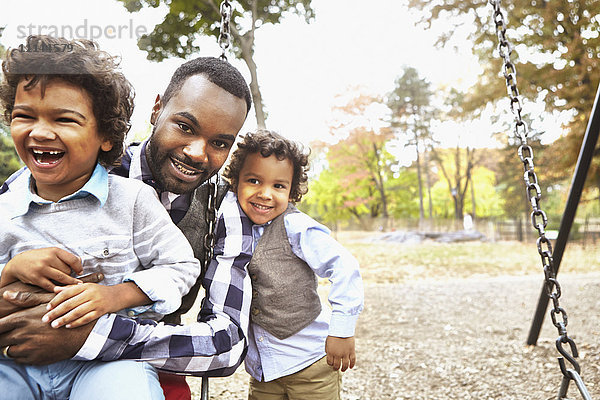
(47, 157)
(52, 152)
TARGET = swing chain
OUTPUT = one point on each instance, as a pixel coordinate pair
(224, 33)
(208, 243)
(209, 218)
(539, 219)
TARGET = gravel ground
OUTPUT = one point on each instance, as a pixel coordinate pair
(460, 339)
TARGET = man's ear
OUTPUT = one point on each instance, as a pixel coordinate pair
(155, 110)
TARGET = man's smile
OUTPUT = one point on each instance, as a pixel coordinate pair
(186, 169)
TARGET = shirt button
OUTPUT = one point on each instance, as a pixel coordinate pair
(260, 339)
(255, 311)
(105, 252)
(131, 313)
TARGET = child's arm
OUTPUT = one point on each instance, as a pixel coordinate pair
(168, 271)
(340, 352)
(78, 305)
(169, 268)
(40, 267)
(329, 259)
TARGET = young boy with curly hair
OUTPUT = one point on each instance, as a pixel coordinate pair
(69, 108)
(296, 347)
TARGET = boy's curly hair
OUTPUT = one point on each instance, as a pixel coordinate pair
(267, 143)
(81, 63)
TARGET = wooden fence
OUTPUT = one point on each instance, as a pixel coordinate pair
(584, 231)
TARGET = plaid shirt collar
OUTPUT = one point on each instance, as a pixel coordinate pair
(135, 165)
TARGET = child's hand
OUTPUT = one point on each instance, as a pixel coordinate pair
(40, 266)
(340, 352)
(81, 304)
(78, 305)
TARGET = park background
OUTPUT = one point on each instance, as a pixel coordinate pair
(408, 119)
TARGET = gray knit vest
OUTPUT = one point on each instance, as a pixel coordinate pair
(284, 288)
(193, 226)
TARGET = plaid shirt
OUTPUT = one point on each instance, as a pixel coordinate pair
(217, 343)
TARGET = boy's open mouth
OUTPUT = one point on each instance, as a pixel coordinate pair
(47, 157)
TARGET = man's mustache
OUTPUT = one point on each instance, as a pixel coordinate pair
(188, 161)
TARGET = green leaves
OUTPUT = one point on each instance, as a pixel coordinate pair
(191, 19)
(9, 160)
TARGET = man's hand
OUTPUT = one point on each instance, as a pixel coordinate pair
(19, 295)
(42, 267)
(34, 342)
(340, 352)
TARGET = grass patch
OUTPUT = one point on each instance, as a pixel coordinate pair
(384, 262)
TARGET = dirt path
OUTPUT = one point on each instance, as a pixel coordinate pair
(462, 339)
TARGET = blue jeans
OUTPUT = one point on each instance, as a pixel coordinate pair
(79, 380)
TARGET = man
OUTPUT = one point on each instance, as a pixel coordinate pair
(195, 125)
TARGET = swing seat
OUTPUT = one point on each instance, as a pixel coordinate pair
(174, 387)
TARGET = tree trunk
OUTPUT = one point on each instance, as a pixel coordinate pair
(255, 90)
(598, 184)
(247, 46)
(473, 199)
(421, 212)
(458, 178)
(379, 183)
(428, 181)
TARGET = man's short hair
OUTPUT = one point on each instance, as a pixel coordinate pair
(81, 63)
(217, 71)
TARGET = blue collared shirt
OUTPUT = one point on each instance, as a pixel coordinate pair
(96, 186)
(213, 346)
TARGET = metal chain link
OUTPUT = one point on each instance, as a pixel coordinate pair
(210, 219)
(539, 220)
(224, 34)
(209, 241)
(211, 213)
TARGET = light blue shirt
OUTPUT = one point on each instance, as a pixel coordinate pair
(270, 358)
(124, 232)
(96, 186)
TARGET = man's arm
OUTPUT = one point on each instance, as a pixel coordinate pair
(213, 346)
(21, 295)
(33, 342)
(21, 327)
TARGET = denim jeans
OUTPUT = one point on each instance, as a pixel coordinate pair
(79, 380)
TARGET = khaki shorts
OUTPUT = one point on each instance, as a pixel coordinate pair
(317, 381)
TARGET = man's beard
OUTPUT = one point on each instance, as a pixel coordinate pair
(159, 161)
